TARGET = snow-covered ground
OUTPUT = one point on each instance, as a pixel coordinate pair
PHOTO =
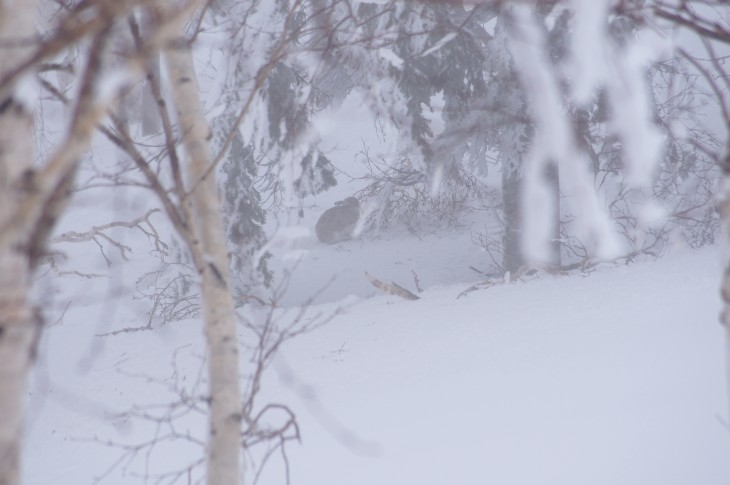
(616, 377)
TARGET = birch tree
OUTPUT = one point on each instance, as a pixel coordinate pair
(19, 322)
(33, 194)
(206, 242)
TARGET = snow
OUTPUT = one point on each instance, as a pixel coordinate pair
(27, 92)
(587, 74)
(438, 45)
(612, 377)
(554, 143)
(634, 120)
(391, 57)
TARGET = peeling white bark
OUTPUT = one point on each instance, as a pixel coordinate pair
(211, 255)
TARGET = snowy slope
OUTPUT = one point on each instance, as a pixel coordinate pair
(612, 378)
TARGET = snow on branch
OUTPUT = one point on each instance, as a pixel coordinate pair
(554, 144)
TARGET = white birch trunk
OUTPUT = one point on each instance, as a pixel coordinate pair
(18, 325)
(224, 440)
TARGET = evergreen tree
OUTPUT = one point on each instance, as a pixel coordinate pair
(284, 112)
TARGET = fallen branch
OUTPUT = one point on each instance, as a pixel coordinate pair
(391, 288)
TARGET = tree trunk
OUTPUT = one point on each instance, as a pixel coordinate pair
(31, 200)
(150, 118)
(725, 284)
(513, 146)
(18, 322)
(512, 257)
(211, 256)
(552, 178)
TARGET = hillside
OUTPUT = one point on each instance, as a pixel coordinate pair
(607, 378)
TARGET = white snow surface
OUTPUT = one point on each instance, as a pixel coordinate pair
(616, 377)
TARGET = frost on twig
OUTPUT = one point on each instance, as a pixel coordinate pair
(100, 232)
(171, 418)
(530, 272)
